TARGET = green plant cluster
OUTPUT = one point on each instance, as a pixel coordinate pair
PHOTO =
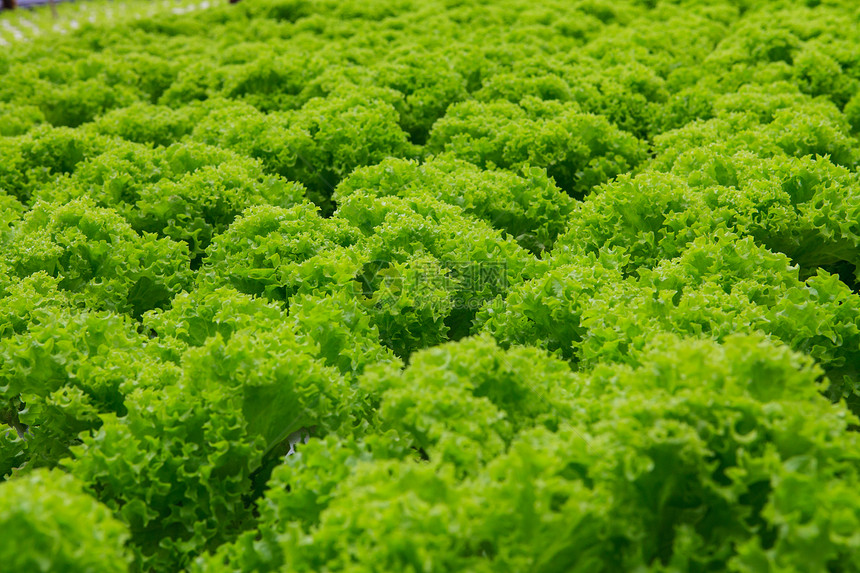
(434, 285)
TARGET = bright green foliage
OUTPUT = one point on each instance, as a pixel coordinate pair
(97, 257)
(420, 267)
(463, 403)
(40, 156)
(49, 524)
(425, 285)
(805, 208)
(187, 192)
(578, 150)
(807, 128)
(17, 120)
(317, 145)
(652, 216)
(144, 122)
(702, 446)
(177, 465)
(340, 332)
(196, 316)
(63, 370)
(718, 286)
(335, 328)
(10, 212)
(428, 86)
(279, 252)
(428, 267)
(529, 207)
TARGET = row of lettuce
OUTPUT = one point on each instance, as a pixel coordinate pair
(552, 286)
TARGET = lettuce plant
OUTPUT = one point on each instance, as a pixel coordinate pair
(437, 285)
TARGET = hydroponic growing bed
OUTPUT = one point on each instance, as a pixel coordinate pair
(437, 285)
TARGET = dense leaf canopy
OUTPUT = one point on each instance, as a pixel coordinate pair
(433, 285)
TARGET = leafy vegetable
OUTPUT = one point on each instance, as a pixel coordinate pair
(51, 524)
(401, 285)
